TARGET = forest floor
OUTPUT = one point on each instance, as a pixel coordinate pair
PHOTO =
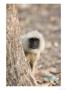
(46, 19)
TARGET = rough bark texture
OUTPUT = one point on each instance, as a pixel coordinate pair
(18, 70)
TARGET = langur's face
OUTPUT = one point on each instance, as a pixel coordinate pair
(34, 43)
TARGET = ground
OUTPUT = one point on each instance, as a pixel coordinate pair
(46, 19)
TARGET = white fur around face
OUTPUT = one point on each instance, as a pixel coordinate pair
(31, 35)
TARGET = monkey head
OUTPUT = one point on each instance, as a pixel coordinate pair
(33, 42)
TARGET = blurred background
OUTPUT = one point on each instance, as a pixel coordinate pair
(46, 18)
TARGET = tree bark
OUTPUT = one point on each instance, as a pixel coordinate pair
(18, 70)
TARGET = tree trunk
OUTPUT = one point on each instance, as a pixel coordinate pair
(18, 70)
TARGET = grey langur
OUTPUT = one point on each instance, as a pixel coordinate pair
(33, 45)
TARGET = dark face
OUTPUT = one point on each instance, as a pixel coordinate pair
(34, 43)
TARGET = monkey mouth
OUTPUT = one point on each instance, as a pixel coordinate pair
(33, 46)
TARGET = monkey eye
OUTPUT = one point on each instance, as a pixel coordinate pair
(33, 43)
